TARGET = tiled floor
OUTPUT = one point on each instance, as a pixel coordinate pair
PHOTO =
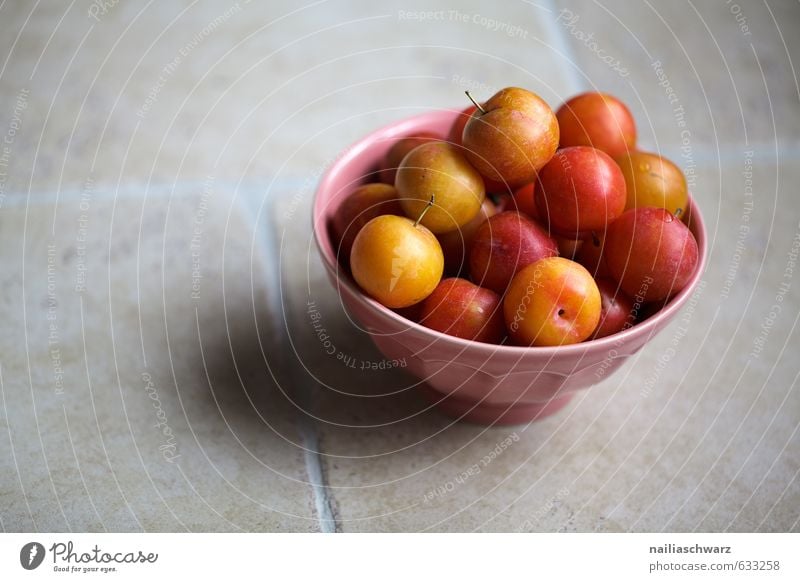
(134, 393)
(159, 370)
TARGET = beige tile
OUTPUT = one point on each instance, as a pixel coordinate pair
(699, 442)
(273, 90)
(85, 360)
(724, 62)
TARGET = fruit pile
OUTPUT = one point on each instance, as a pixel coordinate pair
(551, 228)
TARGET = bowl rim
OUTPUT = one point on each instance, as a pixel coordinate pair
(618, 339)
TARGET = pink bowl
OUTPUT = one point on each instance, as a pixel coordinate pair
(469, 380)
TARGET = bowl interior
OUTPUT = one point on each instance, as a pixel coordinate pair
(360, 163)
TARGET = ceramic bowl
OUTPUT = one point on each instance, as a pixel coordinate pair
(469, 380)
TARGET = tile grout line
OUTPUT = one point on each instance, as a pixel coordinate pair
(307, 428)
(562, 44)
(322, 500)
(703, 155)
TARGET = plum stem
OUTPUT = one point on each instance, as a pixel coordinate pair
(478, 105)
(425, 210)
(678, 212)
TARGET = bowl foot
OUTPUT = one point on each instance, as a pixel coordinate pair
(503, 414)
